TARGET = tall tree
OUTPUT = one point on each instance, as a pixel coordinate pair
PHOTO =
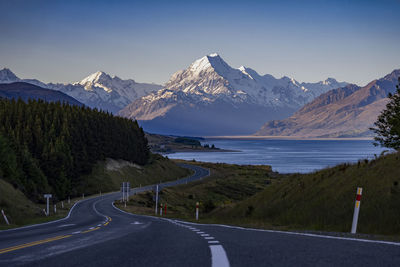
(387, 127)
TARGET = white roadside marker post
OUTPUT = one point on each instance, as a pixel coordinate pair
(5, 217)
(156, 198)
(47, 196)
(128, 188)
(62, 204)
(55, 208)
(197, 211)
(356, 211)
(161, 209)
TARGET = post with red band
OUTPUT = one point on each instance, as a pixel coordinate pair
(356, 211)
(197, 211)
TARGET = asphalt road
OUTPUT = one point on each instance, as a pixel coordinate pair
(96, 233)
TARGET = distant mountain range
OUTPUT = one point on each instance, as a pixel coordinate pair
(98, 90)
(344, 112)
(27, 91)
(212, 98)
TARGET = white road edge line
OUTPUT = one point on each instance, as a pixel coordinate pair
(296, 233)
(59, 220)
(218, 256)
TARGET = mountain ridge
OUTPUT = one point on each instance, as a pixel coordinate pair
(27, 91)
(209, 83)
(344, 112)
(98, 90)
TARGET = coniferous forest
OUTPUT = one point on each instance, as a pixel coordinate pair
(48, 147)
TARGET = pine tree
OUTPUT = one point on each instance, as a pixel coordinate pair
(388, 124)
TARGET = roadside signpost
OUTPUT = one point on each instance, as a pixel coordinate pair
(356, 211)
(47, 197)
(125, 188)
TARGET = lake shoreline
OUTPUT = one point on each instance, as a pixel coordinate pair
(253, 137)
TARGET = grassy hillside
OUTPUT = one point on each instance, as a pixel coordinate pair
(324, 200)
(227, 184)
(106, 177)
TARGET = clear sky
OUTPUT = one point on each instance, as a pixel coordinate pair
(64, 41)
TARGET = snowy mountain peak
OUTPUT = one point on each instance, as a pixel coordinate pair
(209, 63)
(93, 78)
(7, 76)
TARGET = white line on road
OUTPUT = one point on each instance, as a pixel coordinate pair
(213, 242)
(65, 225)
(78, 232)
(205, 235)
(296, 233)
(208, 237)
(218, 256)
(200, 233)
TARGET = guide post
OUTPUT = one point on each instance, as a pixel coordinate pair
(356, 211)
(47, 197)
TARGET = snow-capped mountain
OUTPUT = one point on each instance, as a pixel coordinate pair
(212, 98)
(347, 111)
(98, 90)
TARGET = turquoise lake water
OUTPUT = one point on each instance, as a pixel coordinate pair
(286, 156)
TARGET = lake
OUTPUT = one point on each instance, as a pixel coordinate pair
(286, 156)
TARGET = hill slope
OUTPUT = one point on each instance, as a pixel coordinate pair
(98, 90)
(324, 200)
(342, 112)
(27, 91)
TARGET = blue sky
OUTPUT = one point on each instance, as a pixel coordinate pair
(64, 41)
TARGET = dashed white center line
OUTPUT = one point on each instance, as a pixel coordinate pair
(218, 256)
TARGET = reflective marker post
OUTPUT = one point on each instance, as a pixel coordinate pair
(197, 211)
(356, 211)
(47, 196)
(156, 198)
(5, 217)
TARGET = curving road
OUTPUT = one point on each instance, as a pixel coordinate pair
(96, 233)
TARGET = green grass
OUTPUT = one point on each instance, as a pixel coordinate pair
(319, 201)
(22, 211)
(158, 169)
(325, 200)
(227, 184)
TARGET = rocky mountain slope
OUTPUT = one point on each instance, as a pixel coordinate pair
(344, 112)
(27, 91)
(98, 90)
(212, 98)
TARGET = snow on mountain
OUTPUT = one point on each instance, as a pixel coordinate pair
(7, 76)
(98, 90)
(348, 111)
(209, 83)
